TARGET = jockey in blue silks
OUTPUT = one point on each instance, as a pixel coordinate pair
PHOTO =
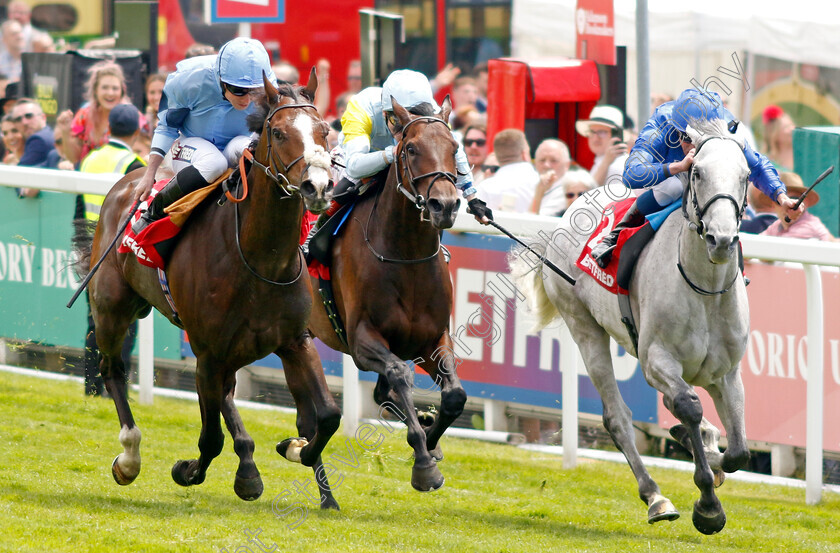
(663, 150)
(370, 132)
(202, 127)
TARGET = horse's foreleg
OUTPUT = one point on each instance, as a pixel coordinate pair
(248, 485)
(441, 367)
(594, 347)
(209, 386)
(684, 403)
(729, 402)
(371, 353)
(126, 465)
(318, 416)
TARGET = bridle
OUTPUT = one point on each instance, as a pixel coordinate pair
(280, 178)
(417, 199)
(271, 170)
(699, 212)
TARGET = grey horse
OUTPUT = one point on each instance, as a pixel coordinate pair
(689, 301)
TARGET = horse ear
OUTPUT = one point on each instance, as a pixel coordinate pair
(270, 89)
(401, 113)
(445, 109)
(694, 135)
(311, 86)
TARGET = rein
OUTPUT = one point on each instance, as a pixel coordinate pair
(700, 227)
(384, 259)
(276, 176)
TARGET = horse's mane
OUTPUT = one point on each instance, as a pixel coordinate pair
(704, 129)
(257, 118)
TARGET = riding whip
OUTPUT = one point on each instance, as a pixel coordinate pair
(542, 258)
(802, 196)
(120, 232)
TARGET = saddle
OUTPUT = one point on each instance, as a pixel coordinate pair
(155, 243)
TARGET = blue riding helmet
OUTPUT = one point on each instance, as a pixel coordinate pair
(696, 104)
(409, 88)
(242, 61)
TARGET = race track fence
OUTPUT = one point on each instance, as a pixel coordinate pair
(810, 254)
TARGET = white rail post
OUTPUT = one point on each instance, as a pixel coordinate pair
(569, 359)
(350, 395)
(814, 394)
(146, 363)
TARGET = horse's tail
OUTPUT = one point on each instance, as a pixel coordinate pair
(528, 277)
(82, 241)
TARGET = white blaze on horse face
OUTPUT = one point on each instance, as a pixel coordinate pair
(314, 155)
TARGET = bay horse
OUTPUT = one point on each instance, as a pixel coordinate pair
(689, 299)
(235, 280)
(392, 287)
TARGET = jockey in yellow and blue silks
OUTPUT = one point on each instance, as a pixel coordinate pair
(203, 127)
(663, 150)
(370, 133)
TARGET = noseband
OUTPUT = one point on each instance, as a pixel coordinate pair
(417, 199)
(271, 170)
(699, 212)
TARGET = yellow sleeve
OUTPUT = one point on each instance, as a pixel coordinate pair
(356, 122)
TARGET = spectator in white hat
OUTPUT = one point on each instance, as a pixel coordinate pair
(605, 131)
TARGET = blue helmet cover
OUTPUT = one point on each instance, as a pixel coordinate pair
(242, 61)
(696, 103)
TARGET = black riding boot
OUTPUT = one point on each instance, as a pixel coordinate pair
(185, 181)
(602, 252)
(344, 192)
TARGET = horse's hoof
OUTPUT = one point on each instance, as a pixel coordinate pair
(329, 502)
(119, 476)
(290, 448)
(662, 509)
(426, 479)
(425, 418)
(185, 473)
(710, 523)
(248, 489)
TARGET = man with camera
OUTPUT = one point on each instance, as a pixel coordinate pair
(605, 131)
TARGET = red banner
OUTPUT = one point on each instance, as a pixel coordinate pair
(595, 31)
(774, 368)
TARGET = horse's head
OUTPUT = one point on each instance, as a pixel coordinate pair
(426, 163)
(293, 142)
(717, 189)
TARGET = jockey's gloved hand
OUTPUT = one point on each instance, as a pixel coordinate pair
(479, 209)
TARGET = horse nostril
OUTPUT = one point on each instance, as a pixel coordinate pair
(435, 206)
(307, 188)
(711, 241)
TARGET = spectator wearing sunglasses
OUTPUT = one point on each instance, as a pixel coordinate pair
(551, 160)
(202, 128)
(575, 183)
(38, 136)
(663, 154)
(475, 146)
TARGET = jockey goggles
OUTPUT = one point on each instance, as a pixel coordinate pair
(236, 90)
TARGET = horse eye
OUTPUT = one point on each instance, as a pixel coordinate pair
(277, 134)
(410, 149)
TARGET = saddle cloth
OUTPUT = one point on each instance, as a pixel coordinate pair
(155, 243)
(608, 277)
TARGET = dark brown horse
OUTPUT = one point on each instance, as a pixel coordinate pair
(392, 286)
(235, 277)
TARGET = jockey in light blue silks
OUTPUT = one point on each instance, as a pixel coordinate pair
(370, 132)
(202, 127)
(664, 150)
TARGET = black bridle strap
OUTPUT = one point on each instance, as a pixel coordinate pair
(269, 168)
(418, 200)
(381, 257)
(693, 286)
